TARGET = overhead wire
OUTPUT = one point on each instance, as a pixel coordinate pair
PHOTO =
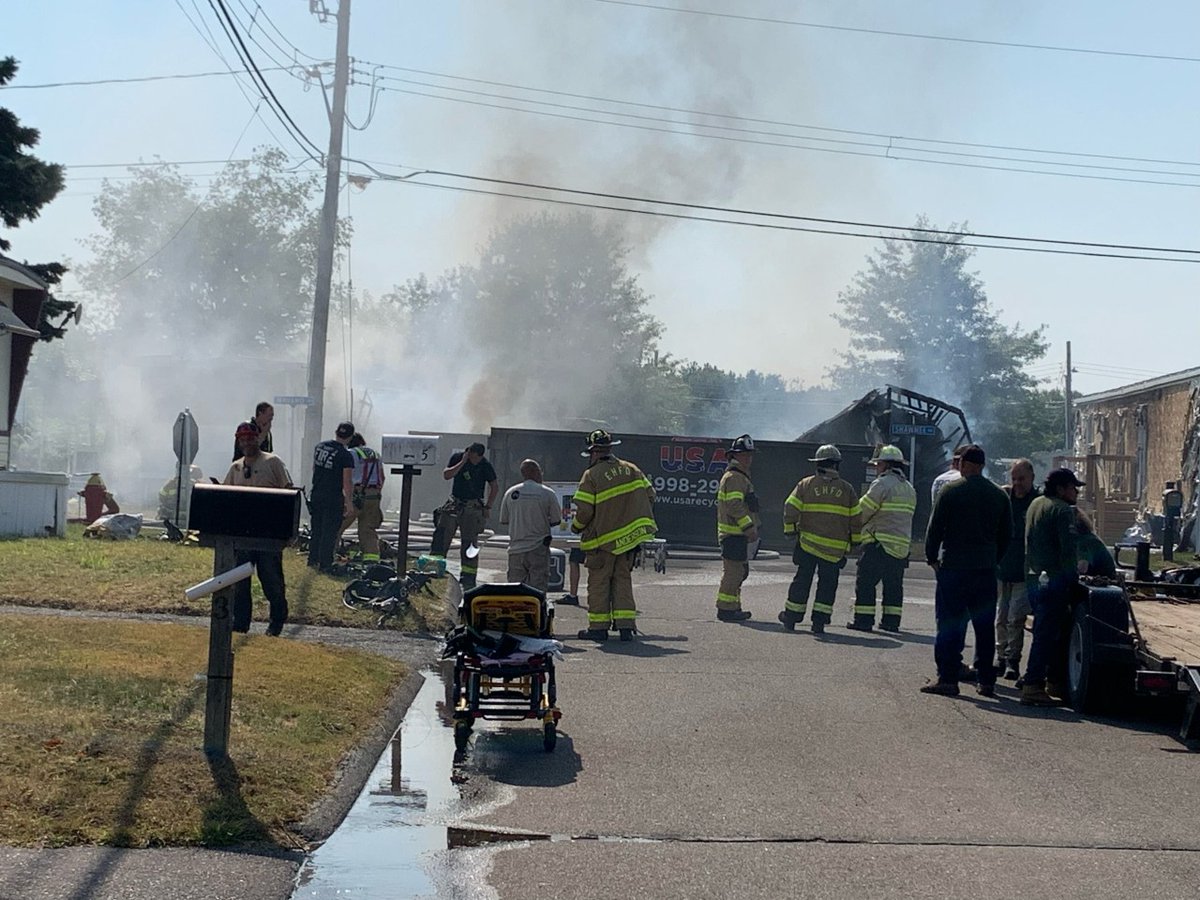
(1166, 57)
(874, 140)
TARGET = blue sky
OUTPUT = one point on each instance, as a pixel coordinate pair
(1124, 318)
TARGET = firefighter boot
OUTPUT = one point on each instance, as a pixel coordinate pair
(789, 620)
(1034, 694)
(732, 615)
(599, 635)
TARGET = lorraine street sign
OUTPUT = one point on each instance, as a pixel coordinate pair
(186, 436)
(918, 430)
(293, 401)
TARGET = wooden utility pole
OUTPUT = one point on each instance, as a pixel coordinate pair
(328, 238)
(1068, 408)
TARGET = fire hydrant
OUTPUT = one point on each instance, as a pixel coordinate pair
(96, 499)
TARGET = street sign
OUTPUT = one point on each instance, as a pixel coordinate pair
(917, 430)
(187, 438)
(293, 401)
(408, 450)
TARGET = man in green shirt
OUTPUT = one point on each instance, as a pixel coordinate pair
(1051, 561)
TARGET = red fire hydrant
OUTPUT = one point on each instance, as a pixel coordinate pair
(96, 499)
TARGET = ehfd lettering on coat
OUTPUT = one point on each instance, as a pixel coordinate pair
(828, 491)
(615, 471)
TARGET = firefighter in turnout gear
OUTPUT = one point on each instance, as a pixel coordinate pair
(737, 528)
(614, 515)
(367, 480)
(822, 512)
(886, 535)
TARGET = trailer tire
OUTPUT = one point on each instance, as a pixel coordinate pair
(1095, 684)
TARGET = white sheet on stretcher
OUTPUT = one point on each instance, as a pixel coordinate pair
(530, 646)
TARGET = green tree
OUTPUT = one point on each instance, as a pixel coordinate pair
(919, 319)
(232, 266)
(26, 185)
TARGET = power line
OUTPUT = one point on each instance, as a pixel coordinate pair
(134, 80)
(888, 153)
(225, 20)
(798, 218)
(775, 226)
(878, 135)
(254, 16)
(905, 34)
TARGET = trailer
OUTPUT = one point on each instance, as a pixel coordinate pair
(1137, 638)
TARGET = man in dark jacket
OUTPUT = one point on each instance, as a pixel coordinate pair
(1013, 608)
(970, 530)
(1051, 564)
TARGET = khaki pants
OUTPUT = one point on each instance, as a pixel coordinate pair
(469, 523)
(531, 567)
(1012, 609)
(369, 517)
(610, 590)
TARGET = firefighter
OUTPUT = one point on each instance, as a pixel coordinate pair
(367, 480)
(886, 534)
(465, 511)
(737, 528)
(614, 515)
(822, 512)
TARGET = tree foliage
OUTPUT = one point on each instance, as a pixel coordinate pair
(185, 268)
(26, 185)
(919, 319)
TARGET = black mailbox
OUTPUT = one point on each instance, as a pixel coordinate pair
(221, 510)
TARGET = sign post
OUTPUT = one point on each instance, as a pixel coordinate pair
(292, 402)
(186, 438)
(407, 452)
(913, 431)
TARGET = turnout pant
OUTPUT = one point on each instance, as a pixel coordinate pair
(827, 574)
(965, 595)
(532, 567)
(1011, 612)
(369, 517)
(325, 516)
(465, 517)
(876, 565)
(269, 566)
(610, 590)
(735, 569)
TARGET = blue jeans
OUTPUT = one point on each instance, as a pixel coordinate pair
(1051, 608)
(965, 595)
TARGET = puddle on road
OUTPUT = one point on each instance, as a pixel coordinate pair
(383, 847)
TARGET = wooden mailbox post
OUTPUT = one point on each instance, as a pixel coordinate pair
(230, 519)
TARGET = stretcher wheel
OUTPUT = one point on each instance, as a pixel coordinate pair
(462, 734)
(549, 736)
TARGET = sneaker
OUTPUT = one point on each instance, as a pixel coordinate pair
(940, 688)
(985, 690)
(1011, 674)
(818, 627)
(860, 626)
(569, 600)
(732, 615)
(600, 635)
(788, 620)
(1035, 695)
(627, 634)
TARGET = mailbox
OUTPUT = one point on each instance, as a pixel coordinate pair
(219, 510)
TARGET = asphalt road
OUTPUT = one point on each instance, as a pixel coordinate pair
(721, 760)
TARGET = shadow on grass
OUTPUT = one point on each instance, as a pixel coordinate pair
(226, 819)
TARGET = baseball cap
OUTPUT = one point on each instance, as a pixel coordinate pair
(345, 430)
(973, 453)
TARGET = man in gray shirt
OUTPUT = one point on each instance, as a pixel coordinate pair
(530, 509)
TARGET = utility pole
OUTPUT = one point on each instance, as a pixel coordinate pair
(1068, 408)
(328, 238)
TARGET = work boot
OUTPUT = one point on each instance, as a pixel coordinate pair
(818, 627)
(789, 620)
(569, 600)
(1035, 695)
(941, 688)
(600, 635)
(274, 629)
(627, 634)
(732, 615)
(860, 626)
